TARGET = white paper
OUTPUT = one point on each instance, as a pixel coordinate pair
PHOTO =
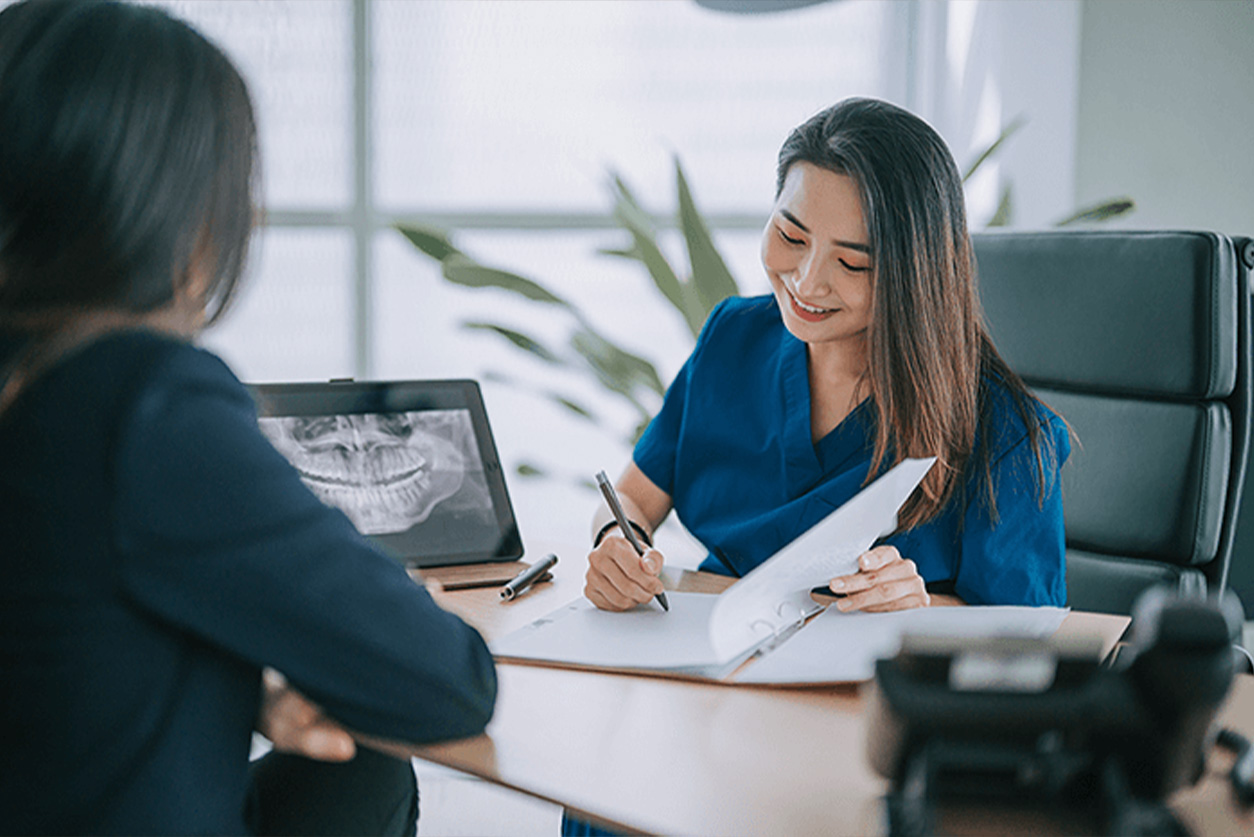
(777, 593)
(838, 647)
(644, 638)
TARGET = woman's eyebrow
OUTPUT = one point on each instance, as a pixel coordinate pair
(852, 245)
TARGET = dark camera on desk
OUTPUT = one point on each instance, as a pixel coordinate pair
(1040, 720)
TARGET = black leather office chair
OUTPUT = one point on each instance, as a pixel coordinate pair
(1141, 340)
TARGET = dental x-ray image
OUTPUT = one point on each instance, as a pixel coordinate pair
(391, 473)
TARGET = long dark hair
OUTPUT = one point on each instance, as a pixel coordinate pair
(128, 150)
(929, 355)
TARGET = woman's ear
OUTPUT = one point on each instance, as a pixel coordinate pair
(191, 290)
(199, 273)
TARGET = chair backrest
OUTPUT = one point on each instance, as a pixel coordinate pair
(1141, 340)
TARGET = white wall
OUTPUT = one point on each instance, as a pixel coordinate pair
(1166, 112)
(980, 65)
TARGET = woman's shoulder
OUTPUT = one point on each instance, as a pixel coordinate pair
(150, 372)
(110, 374)
(740, 319)
(745, 310)
(164, 358)
(1007, 413)
(737, 328)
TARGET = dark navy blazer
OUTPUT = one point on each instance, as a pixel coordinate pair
(155, 554)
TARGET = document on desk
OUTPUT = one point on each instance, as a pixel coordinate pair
(644, 639)
(838, 647)
(833, 647)
(775, 597)
(709, 636)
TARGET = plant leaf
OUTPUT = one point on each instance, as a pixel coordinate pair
(1099, 212)
(1005, 208)
(617, 370)
(645, 250)
(528, 469)
(642, 369)
(462, 270)
(575, 407)
(1006, 133)
(639, 431)
(552, 395)
(434, 242)
(625, 202)
(522, 341)
(695, 305)
(711, 279)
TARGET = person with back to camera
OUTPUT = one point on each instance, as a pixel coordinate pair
(158, 554)
(871, 349)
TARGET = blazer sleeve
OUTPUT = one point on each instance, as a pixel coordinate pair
(218, 536)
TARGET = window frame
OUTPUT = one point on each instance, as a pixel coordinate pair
(364, 219)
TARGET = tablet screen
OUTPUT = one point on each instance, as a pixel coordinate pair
(412, 464)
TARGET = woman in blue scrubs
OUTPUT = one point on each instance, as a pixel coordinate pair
(871, 349)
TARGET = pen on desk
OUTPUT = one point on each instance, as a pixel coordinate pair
(611, 500)
(527, 577)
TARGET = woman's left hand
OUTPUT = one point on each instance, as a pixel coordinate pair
(294, 724)
(884, 581)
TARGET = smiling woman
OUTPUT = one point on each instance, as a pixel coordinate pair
(871, 350)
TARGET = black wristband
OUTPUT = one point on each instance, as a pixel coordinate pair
(604, 530)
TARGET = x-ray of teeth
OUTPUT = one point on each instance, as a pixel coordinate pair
(386, 471)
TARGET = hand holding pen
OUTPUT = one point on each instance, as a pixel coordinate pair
(622, 575)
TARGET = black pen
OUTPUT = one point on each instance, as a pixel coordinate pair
(528, 577)
(611, 500)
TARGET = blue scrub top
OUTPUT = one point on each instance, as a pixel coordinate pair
(732, 447)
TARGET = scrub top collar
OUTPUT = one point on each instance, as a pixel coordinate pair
(807, 462)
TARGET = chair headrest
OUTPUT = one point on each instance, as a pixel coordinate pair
(1140, 313)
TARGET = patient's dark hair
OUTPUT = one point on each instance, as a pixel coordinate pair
(127, 150)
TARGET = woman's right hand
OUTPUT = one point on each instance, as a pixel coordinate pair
(618, 578)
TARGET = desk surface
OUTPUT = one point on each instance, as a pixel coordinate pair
(663, 756)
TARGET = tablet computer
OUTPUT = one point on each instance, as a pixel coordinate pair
(411, 463)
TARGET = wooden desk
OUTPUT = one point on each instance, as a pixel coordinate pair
(654, 755)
